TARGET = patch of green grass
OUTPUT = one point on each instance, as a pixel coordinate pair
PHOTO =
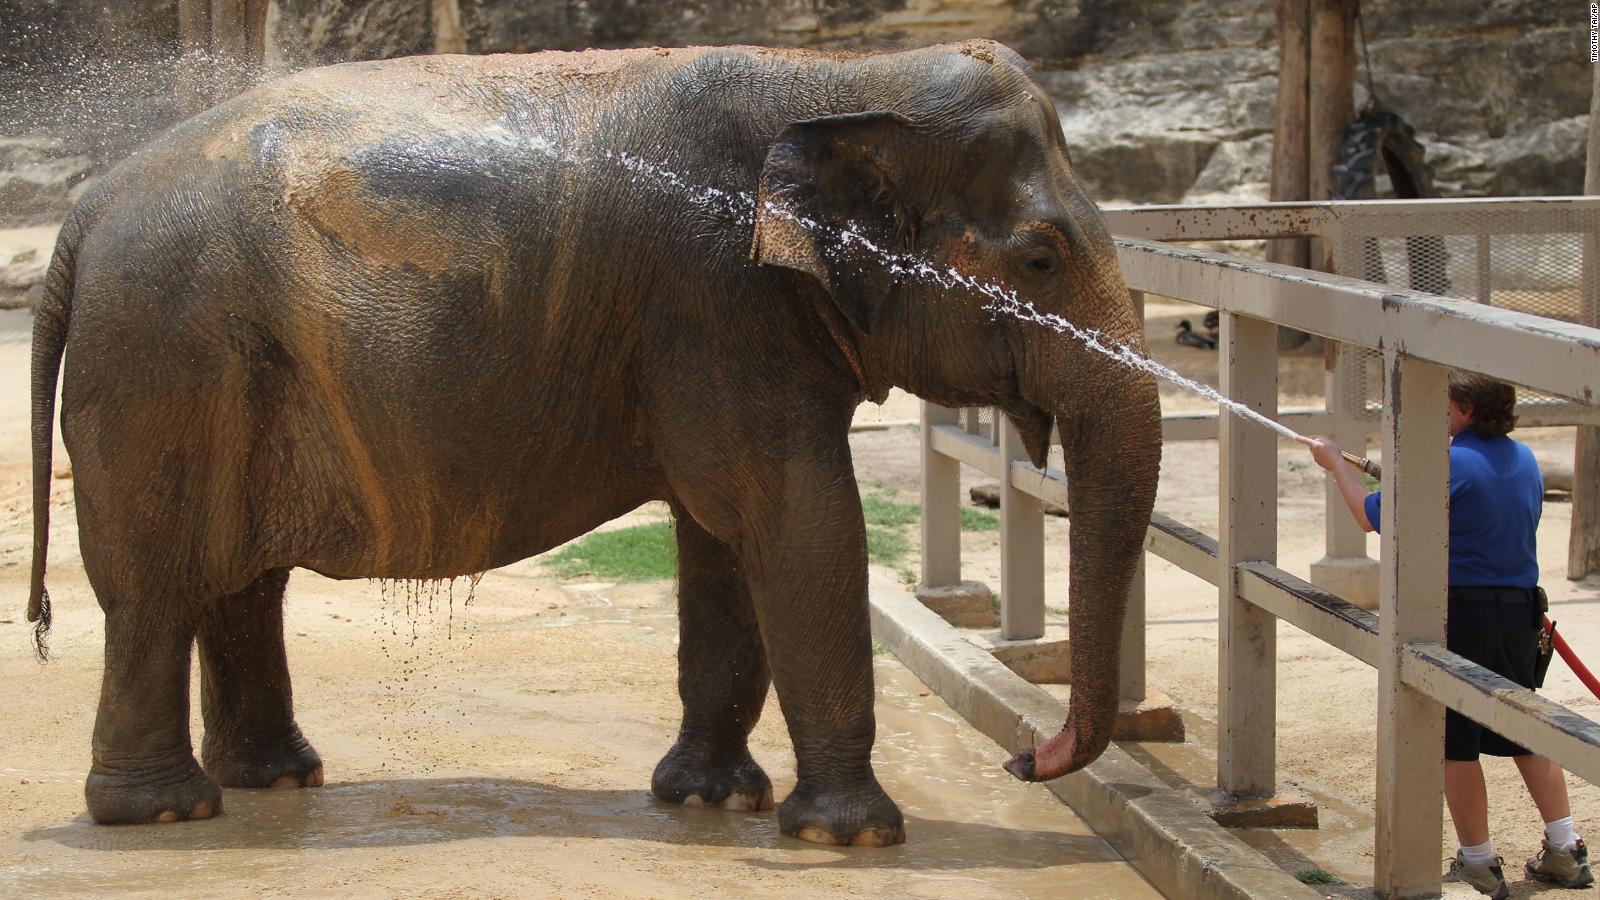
(885, 546)
(641, 553)
(879, 485)
(1372, 483)
(1316, 876)
(879, 648)
(978, 520)
(889, 514)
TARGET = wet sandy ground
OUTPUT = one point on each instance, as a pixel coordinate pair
(501, 748)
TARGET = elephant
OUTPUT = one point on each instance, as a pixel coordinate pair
(423, 317)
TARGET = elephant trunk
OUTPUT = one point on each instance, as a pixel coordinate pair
(1113, 460)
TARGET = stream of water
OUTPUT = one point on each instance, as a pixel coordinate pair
(996, 297)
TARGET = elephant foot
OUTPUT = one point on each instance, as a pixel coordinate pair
(124, 795)
(288, 762)
(697, 777)
(860, 815)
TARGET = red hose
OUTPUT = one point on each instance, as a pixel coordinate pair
(1573, 662)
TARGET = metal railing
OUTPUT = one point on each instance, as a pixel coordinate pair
(1420, 337)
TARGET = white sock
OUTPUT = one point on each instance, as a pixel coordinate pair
(1561, 833)
(1480, 854)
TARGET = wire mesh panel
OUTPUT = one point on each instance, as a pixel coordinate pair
(1526, 257)
(979, 420)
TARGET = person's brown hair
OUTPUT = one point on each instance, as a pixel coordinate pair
(1493, 402)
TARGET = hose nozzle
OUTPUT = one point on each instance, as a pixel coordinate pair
(1364, 464)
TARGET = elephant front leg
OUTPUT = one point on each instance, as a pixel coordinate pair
(251, 739)
(810, 589)
(722, 680)
(144, 768)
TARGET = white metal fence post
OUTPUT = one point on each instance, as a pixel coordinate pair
(1247, 638)
(1132, 674)
(1411, 609)
(1345, 539)
(941, 504)
(1345, 567)
(1021, 545)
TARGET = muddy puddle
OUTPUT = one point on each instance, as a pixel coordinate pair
(507, 752)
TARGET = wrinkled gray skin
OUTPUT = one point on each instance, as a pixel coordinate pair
(357, 321)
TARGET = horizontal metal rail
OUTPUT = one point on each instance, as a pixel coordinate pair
(1543, 726)
(974, 450)
(1384, 218)
(1203, 426)
(1311, 609)
(1544, 354)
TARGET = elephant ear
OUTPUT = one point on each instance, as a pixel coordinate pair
(823, 178)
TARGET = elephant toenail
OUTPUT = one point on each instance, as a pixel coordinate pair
(873, 837)
(817, 836)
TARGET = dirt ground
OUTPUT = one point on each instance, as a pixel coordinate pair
(503, 747)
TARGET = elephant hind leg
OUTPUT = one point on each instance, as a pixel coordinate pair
(251, 739)
(722, 680)
(144, 768)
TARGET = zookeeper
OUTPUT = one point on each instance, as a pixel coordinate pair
(1496, 611)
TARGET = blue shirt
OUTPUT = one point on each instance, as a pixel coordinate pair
(1496, 496)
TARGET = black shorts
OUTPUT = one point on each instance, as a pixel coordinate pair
(1497, 628)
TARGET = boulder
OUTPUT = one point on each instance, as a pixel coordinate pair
(316, 32)
(39, 180)
(24, 259)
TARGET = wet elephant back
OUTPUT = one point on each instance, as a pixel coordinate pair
(367, 305)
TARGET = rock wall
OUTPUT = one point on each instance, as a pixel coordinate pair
(1161, 100)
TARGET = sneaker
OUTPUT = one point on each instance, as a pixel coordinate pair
(1568, 868)
(1487, 878)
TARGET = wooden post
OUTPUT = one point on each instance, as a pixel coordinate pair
(1333, 87)
(1289, 147)
(1021, 545)
(1583, 543)
(447, 34)
(1131, 676)
(1412, 606)
(941, 504)
(1247, 635)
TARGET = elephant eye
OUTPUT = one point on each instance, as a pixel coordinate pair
(1039, 247)
(1042, 260)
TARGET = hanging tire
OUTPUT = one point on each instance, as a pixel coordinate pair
(1375, 135)
(1377, 138)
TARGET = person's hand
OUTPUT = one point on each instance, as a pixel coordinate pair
(1325, 452)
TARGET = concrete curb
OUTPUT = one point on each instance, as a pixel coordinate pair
(1165, 834)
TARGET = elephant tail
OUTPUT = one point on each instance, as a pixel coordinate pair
(49, 341)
